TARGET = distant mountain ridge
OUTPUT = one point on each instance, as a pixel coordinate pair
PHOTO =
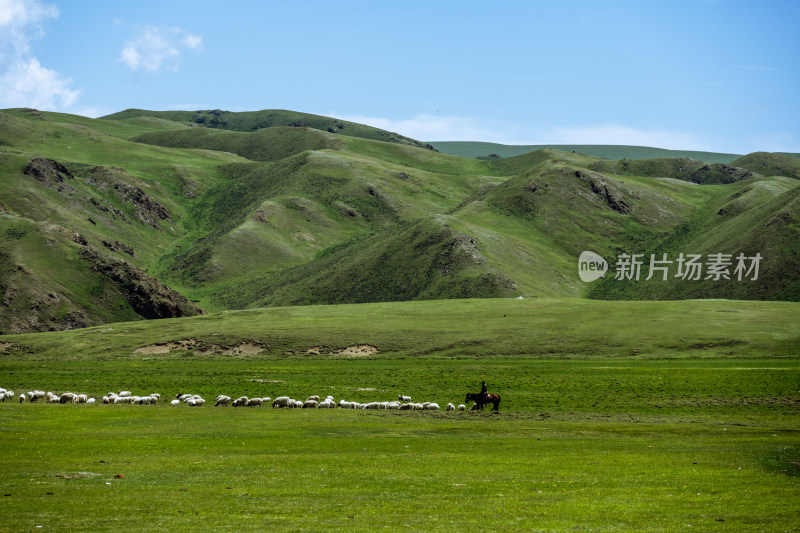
(250, 121)
(149, 214)
(486, 150)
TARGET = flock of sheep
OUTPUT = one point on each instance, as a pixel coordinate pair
(403, 403)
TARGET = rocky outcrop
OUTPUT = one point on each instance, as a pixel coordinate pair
(613, 197)
(50, 173)
(147, 296)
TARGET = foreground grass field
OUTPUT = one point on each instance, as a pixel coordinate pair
(615, 416)
(160, 469)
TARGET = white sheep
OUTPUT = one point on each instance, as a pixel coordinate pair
(222, 401)
(313, 398)
(254, 402)
(451, 407)
(461, 407)
(21, 398)
(80, 398)
(407, 407)
(241, 401)
(432, 407)
(35, 395)
(175, 402)
(310, 404)
(280, 401)
(474, 407)
(124, 393)
(67, 397)
(91, 401)
(145, 400)
(8, 395)
(327, 404)
(266, 400)
(402, 398)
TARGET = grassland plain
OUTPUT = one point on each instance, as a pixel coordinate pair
(622, 416)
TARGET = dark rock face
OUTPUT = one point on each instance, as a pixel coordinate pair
(614, 198)
(148, 297)
(49, 172)
(146, 209)
(117, 246)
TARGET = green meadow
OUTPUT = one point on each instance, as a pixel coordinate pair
(615, 416)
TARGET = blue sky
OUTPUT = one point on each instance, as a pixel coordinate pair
(716, 75)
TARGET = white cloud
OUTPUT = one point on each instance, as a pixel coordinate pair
(617, 134)
(441, 128)
(28, 84)
(20, 22)
(458, 128)
(157, 47)
(24, 82)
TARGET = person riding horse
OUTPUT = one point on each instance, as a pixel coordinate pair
(483, 398)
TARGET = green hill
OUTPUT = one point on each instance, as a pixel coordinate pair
(494, 151)
(268, 118)
(771, 164)
(681, 168)
(144, 214)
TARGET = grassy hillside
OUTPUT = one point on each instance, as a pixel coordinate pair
(771, 164)
(423, 260)
(267, 118)
(494, 151)
(284, 212)
(476, 328)
(269, 144)
(679, 168)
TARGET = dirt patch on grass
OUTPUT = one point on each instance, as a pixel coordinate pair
(245, 348)
(359, 350)
(156, 349)
(5, 345)
(77, 475)
(356, 350)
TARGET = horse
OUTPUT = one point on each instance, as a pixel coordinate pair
(483, 399)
